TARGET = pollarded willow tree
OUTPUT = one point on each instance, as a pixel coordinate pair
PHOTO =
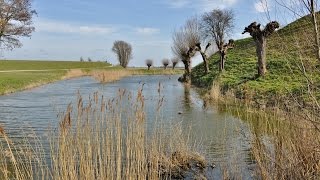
(123, 51)
(149, 63)
(174, 62)
(186, 43)
(215, 26)
(260, 39)
(15, 21)
(165, 63)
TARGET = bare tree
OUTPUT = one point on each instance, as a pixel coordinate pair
(149, 63)
(186, 43)
(224, 51)
(15, 21)
(81, 59)
(165, 63)
(260, 38)
(215, 26)
(124, 52)
(174, 62)
(204, 56)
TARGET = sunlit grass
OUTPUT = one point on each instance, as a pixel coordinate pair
(6, 65)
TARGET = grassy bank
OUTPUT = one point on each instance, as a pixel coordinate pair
(293, 70)
(290, 91)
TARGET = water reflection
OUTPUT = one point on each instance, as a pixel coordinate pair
(187, 98)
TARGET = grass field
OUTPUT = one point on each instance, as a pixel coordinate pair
(20, 75)
(6, 65)
(18, 79)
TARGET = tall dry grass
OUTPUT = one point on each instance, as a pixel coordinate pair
(285, 143)
(110, 75)
(288, 152)
(104, 139)
(116, 74)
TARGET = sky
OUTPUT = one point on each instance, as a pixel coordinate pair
(70, 29)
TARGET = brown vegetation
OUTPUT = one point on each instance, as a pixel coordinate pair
(100, 140)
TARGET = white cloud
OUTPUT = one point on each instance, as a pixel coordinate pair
(46, 25)
(178, 3)
(208, 5)
(201, 5)
(147, 31)
(262, 6)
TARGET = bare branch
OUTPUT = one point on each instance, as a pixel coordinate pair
(15, 21)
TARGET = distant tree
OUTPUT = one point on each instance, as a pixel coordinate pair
(165, 63)
(260, 39)
(149, 63)
(81, 59)
(174, 62)
(15, 21)
(215, 26)
(124, 52)
(89, 59)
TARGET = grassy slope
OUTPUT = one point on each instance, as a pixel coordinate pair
(287, 48)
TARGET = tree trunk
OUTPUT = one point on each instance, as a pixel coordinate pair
(315, 28)
(261, 44)
(188, 71)
(205, 62)
(148, 67)
(165, 67)
(222, 60)
(186, 78)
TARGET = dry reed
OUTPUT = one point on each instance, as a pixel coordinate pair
(104, 139)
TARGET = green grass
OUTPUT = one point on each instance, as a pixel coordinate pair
(48, 65)
(12, 82)
(17, 81)
(286, 49)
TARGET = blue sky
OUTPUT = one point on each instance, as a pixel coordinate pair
(69, 29)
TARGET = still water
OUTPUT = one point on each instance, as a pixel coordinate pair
(223, 137)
